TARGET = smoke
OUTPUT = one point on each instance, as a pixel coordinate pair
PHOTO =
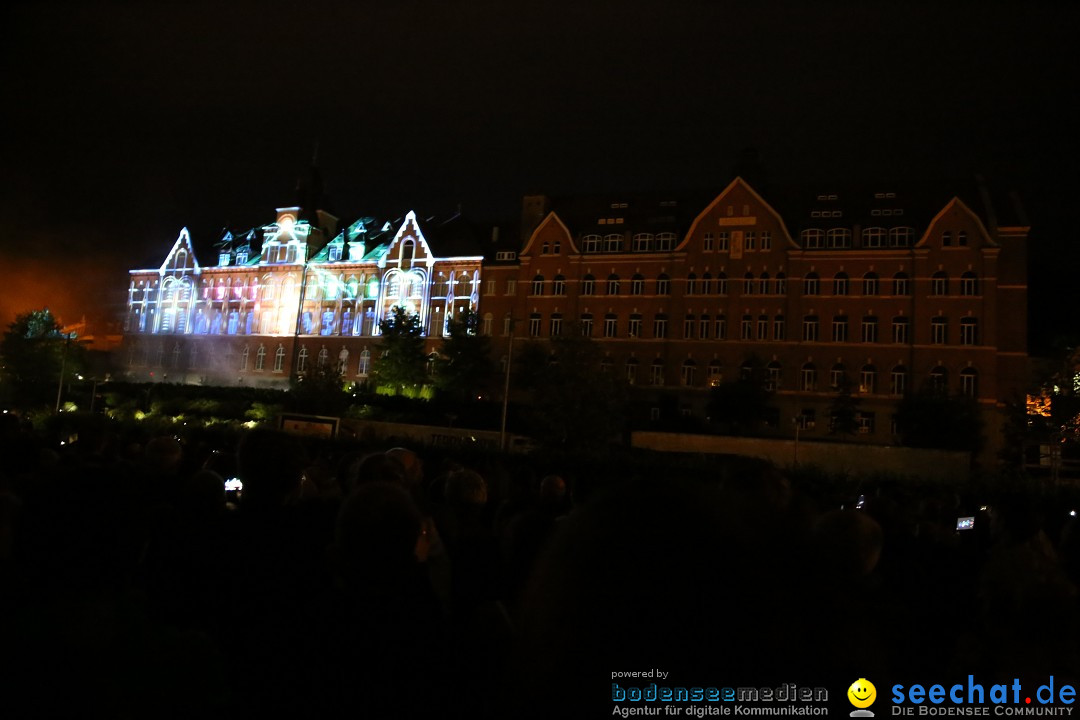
(71, 286)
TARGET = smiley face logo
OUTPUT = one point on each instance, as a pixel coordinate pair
(862, 693)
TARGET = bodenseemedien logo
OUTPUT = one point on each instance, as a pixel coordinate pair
(862, 694)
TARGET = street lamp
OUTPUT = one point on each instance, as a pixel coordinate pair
(506, 385)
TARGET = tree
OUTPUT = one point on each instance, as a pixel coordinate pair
(843, 412)
(35, 350)
(464, 363)
(576, 405)
(739, 406)
(403, 363)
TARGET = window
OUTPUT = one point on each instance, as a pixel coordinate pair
(722, 241)
(901, 284)
(534, 325)
(969, 382)
(716, 373)
(810, 328)
(837, 376)
(613, 284)
(939, 330)
(746, 370)
(691, 284)
(939, 379)
(900, 332)
(558, 285)
(763, 284)
(591, 243)
(840, 284)
(613, 243)
(688, 370)
(511, 287)
(781, 284)
(634, 328)
(865, 421)
(244, 354)
(660, 326)
(637, 285)
(838, 238)
(703, 327)
(746, 328)
(663, 285)
(538, 285)
(489, 287)
(766, 240)
(721, 284)
(301, 360)
(721, 327)
(961, 238)
(805, 420)
(898, 380)
(688, 326)
(939, 283)
(611, 325)
(260, 358)
(969, 331)
(763, 327)
(969, 284)
(322, 357)
(870, 284)
(643, 242)
(279, 359)
(556, 325)
(606, 365)
(900, 236)
(489, 320)
(709, 242)
(779, 331)
(813, 239)
(774, 374)
(811, 284)
(586, 325)
(874, 237)
(631, 370)
(946, 239)
(750, 241)
(588, 285)
(868, 379)
(869, 329)
(656, 374)
(840, 328)
(508, 324)
(808, 377)
(665, 241)
(748, 284)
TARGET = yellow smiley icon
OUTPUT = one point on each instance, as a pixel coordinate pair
(862, 693)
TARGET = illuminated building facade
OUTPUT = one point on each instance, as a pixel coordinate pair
(290, 296)
(876, 291)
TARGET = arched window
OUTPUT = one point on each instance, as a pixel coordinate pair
(322, 357)
(837, 376)
(665, 241)
(874, 237)
(969, 331)
(538, 285)
(868, 379)
(558, 285)
(663, 285)
(781, 283)
(900, 236)
(811, 284)
(939, 283)
(763, 284)
(656, 372)
(688, 372)
(643, 242)
(588, 285)
(838, 238)
(364, 367)
(840, 283)
(813, 239)
(808, 377)
(706, 284)
(591, 243)
(301, 360)
(244, 354)
(721, 284)
(260, 358)
(939, 379)
(637, 284)
(691, 284)
(946, 239)
(748, 284)
(870, 284)
(613, 243)
(898, 380)
(716, 373)
(969, 284)
(613, 284)
(773, 376)
(969, 382)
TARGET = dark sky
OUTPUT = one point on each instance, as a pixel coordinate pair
(127, 121)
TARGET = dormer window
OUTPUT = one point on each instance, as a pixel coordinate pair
(223, 259)
(356, 251)
(241, 257)
(335, 253)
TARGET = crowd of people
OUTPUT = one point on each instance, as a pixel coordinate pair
(396, 582)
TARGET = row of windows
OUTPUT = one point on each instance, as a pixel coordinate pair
(761, 327)
(840, 238)
(641, 243)
(841, 284)
(202, 357)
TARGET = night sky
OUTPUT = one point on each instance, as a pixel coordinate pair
(127, 121)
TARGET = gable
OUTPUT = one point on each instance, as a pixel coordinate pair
(737, 194)
(409, 236)
(181, 259)
(954, 218)
(551, 229)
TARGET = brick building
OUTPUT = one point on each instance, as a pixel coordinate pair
(872, 289)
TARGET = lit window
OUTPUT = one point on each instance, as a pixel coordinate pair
(868, 379)
(716, 373)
